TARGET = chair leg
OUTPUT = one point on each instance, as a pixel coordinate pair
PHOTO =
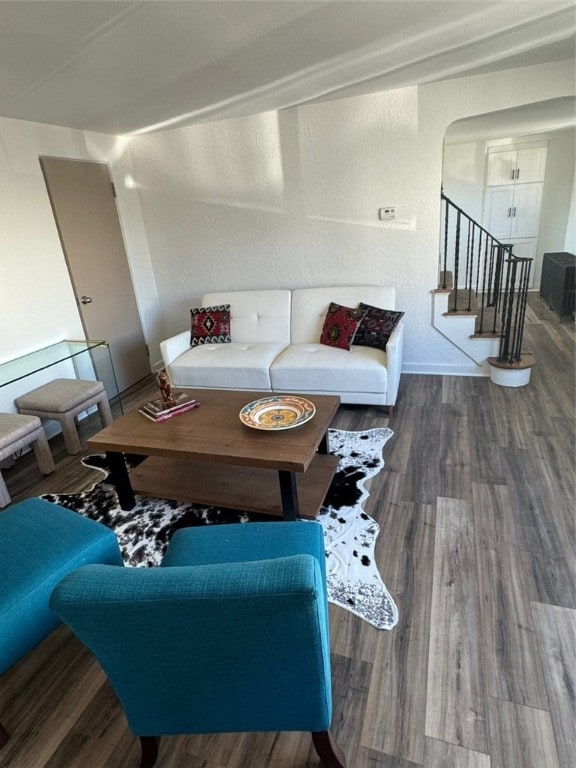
(149, 746)
(71, 437)
(43, 455)
(104, 411)
(328, 750)
(4, 495)
(3, 735)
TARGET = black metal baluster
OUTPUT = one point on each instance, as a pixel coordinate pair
(446, 214)
(500, 289)
(456, 260)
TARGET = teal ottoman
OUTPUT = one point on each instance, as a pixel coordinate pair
(40, 543)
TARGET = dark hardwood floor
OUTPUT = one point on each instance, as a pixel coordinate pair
(477, 545)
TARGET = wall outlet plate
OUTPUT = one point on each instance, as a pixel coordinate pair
(388, 213)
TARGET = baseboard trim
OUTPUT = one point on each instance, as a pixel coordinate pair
(439, 369)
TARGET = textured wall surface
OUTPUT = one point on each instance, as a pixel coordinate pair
(289, 199)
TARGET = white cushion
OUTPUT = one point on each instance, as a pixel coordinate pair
(319, 368)
(225, 366)
(261, 316)
(309, 306)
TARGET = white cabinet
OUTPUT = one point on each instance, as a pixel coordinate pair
(513, 211)
(497, 209)
(513, 194)
(524, 249)
(516, 165)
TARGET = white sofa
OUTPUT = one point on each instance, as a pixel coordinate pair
(276, 347)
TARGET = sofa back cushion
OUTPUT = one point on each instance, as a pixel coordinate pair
(255, 316)
(310, 305)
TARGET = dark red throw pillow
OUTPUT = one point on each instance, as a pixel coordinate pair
(340, 325)
(210, 325)
(376, 326)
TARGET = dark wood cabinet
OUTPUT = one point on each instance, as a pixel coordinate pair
(557, 284)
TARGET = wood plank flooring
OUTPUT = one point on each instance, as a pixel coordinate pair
(477, 545)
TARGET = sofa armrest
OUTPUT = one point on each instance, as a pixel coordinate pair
(394, 354)
(173, 347)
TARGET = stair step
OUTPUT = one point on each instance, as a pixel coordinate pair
(465, 301)
(459, 329)
(468, 304)
(446, 280)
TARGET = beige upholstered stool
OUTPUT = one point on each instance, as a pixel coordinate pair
(17, 432)
(63, 400)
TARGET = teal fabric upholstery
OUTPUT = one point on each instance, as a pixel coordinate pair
(40, 543)
(230, 634)
(243, 543)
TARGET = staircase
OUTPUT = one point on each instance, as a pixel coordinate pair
(480, 303)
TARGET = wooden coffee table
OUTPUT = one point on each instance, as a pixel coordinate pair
(207, 456)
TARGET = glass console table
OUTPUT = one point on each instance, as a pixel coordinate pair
(83, 359)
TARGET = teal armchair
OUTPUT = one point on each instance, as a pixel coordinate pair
(230, 634)
(40, 543)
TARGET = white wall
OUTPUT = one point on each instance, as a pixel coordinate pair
(37, 305)
(558, 186)
(290, 199)
(463, 176)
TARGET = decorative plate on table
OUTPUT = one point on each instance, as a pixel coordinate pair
(277, 412)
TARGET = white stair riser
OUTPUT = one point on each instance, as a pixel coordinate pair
(459, 329)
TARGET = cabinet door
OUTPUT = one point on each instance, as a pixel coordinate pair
(526, 210)
(530, 165)
(516, 166)
(524, 249)
(498, 205)
(501, 167)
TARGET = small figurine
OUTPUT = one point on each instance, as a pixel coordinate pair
(165, 388)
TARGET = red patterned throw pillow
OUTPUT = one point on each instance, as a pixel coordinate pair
(210, 325)
(340, 325)
(376, 326)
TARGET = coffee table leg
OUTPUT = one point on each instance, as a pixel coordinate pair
(324, 446)
(289, 494)
(120, 479)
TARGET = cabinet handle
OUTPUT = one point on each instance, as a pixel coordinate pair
(509, 212)
(514, 212)
(517, 173)
(513, 175)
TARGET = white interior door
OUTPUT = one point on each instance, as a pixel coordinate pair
(84, 206)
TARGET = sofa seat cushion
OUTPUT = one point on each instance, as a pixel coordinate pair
(238, 365)
(319, 368)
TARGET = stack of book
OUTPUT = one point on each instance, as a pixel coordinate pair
(156, 410)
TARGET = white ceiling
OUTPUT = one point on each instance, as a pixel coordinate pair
(132, 67)
(552, 114)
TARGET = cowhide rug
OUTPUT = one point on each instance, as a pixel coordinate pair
(350, 534)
